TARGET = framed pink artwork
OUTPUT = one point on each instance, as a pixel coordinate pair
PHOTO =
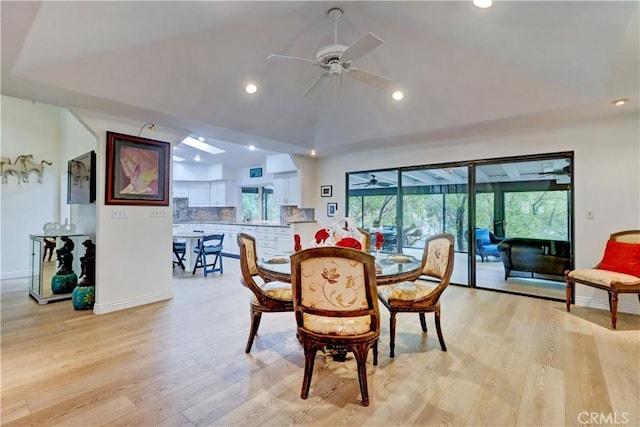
(137, 171)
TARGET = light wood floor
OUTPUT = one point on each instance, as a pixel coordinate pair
(512, 360)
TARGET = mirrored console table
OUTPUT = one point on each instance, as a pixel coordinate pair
(44, 264)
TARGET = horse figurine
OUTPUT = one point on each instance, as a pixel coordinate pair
(9, 169)
(28, 166)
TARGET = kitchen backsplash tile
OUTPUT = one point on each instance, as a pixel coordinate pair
(183, 213)
(292, 214)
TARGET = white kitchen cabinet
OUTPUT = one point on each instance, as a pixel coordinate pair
(284, 239)
(180, 189)
(286, 189)
(222, 193)
(230, 242)
(265, 241)
(198, 193)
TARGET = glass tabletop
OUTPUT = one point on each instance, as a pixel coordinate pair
(388, 265)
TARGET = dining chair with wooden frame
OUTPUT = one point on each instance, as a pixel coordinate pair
(268, 296)
(334, 300)
(617, 272)
(422, 296)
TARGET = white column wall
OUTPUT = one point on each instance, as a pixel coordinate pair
(133, 254)
(607, 179)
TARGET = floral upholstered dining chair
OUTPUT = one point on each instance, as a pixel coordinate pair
(334, 299)
(268, 297)
(422, 296)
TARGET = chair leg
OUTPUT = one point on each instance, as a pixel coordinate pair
(197, 264)
(255, 323)
(204, 263)
(423, 322)
(569, 292)
(613, 297)
(392, 334)
(375, 353)
(360, 351)
(439, 330)
(309, 359)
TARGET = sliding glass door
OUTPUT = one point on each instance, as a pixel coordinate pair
(523, 225)
(434, 201)
(373, 204)
(511, 218)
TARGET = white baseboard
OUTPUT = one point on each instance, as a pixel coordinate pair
(132, 302)
(623, 307)
(19, 274)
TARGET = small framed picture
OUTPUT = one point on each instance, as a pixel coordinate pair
(255, 172)
(331, 209)
(326, 191)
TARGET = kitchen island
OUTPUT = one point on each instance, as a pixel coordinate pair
(270, 237)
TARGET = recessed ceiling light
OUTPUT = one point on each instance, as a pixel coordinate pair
(197, 158)
(178, 159)
(482, 4)
(313, 152)
(201, 139)
(620, 101)
(397, 95)
(252, 147)
(251, 88)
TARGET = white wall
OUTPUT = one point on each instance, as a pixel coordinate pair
(28, 128)
(133, 254)
(607, 179)
(76, 140)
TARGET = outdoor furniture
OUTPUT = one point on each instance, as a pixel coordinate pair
(617, 273)
(334, 300)
(535, 256)
(422, 296)
(180, 252)
(487, 243)
(209, 245)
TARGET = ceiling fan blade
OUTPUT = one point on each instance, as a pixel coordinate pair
(369, 78)
(360, 47)
(320, 81)
(285, 58)
(384, 184)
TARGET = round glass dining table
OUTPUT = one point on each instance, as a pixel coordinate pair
(390, 267)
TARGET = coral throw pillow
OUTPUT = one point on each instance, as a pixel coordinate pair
(622, 258)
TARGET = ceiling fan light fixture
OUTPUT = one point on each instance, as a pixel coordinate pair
(482, 4)
(619, 102)
(251, 88)
(397, 95)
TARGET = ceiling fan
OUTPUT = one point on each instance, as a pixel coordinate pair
(374, 181)
(337, 59)
(564, 171)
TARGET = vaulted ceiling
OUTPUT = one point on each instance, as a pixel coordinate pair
(464, 71)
